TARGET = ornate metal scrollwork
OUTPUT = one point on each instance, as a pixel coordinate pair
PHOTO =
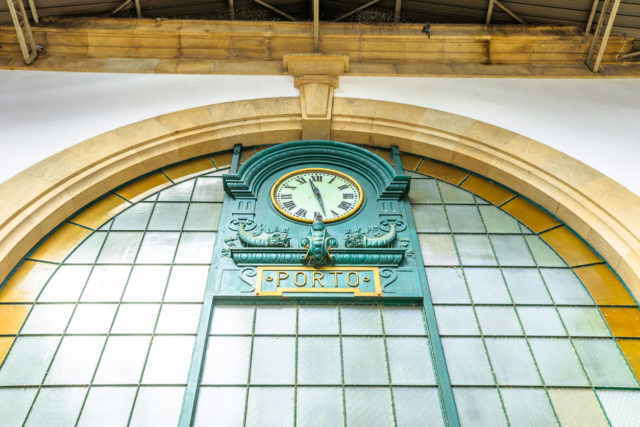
(359, 239)
(263, 237)
(318, 245)
(388, 276)
(247, 275)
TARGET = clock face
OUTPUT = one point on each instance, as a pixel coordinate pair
(304, 194)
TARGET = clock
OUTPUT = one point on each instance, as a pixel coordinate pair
(307, 194)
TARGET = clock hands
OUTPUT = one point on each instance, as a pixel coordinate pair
(316, 192)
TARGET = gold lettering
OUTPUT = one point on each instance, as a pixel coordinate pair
(281, 276)
(317, 277)
(335, 276)
(353, 285)
(297, 282)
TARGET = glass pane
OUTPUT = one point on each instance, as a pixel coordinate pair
(319, 406)
(526, 286)
(232, 320)
(437, 249)
(178, 193)
(541, 321)
(158, 248)
(28, 360)
(528, 407)
(276, 320)
(604, 363)
(456, 320)
(187, 284)
(220, 406)
(368, 406)
(195, 248)
(487, 286)
(512, 361)
(361, 321)
(543, 254)
(120, 248)
(403, 321)
(87, 252)
(430, 219)
(451, 194)
(107, 406)
(147, 283)
(75, 361)
(498, 321)
(273, 360)
(92, 319)
(622, 406)
(584, 321)
(157, 406)
(410, 361)
(106, 283)
(122, 360)
(169, 360)
(203, 217)
(57, 406)
(208, 190)
(512, 250)
(565, 287)
(467, 361)
(135, 319)
(179, 319)
(577, 407)
(424, 191)
(364, 361)
(14, 405)
(417, 406)
(270, 407)
(318, 320)
(465, 219)
(474, 250)
(47, 319)
(497, 221)
(168, 216)
(134, 218)
(479, 407)
(66, 284)
(447, 285)
(227, 360)
(319, 361)
(558, 362)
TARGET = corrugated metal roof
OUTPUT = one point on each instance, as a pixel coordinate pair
(563, 12)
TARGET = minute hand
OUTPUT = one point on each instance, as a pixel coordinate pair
(316, 192)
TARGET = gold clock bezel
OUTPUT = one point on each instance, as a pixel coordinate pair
(306, 170)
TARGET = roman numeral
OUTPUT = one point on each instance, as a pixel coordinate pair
(301, 212)
(300, 179)
(345, 206)
(289, 205)
(347, 196)
(332, 179)
(285, 196)
(334, 213)
(289, 187)
(316, 178)
(342, 187)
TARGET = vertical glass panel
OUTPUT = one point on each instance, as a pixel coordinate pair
(178, 193)
(541, 321)
(318, 320)
(319, 406)
(474, 250)
(47, 319)
(135, 319)
(158, 248)
(146, 284)
(187, 284)
(87, 252)
(526, 286)
(270, 407)
(403, 321)
(120, 248)
(57, 406)
(66, 284)
(558, 362)
(232, 319)
(106, 283)
(75, 361)
(512, 362)
(195, 248)
(410, 361)
(28, 360)
(565, 287)
(584, 322)
(498, 321)
(577, 407)
(497, 221)
(451, 194)
(208, 190)
(479, 407)
(364, 361)
(417, 406)
(14, 405)
(424, 191)
(465, 219)
(220, 406)
(456, 320)
(107, 406)
(169, 360)
(227, 360)
(512, 250)
(157, 407)
(467, 361)
(122, 360)
(319, 361)
(437, 249)
(368, 406)
(622, 406)
(135, 217)
(528, 407)
(203, 217)
(168, 216)
(178, 319)
(430, 219)
(447, 285)
(92, 319)
(273, 360)
(543, 254)
(106, 226)
(487, 286)
(276, 320)
(361, 321)
(604, 363)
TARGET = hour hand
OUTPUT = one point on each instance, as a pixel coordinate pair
(316, 192)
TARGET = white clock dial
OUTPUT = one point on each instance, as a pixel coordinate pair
(307, 194)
